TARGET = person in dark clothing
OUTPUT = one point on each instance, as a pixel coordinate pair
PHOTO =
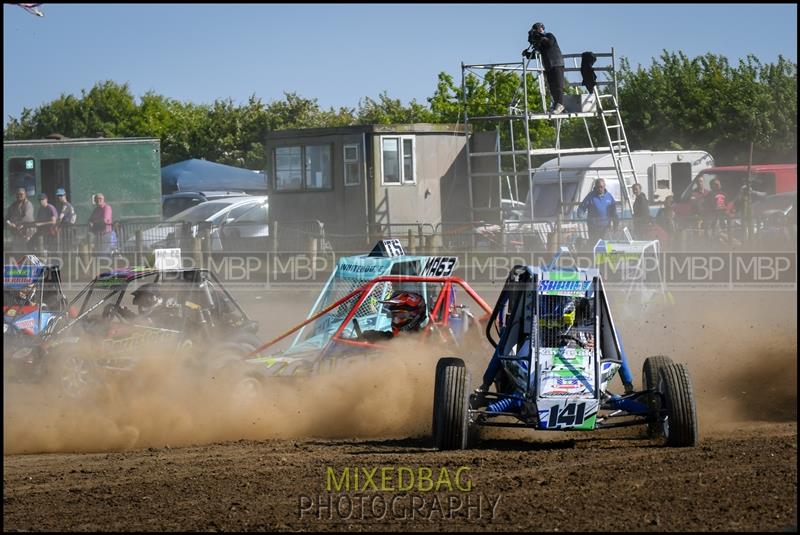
(588, 76)
(45, 222)
(666, 216)
(641, 211)
(18, 217)
(553, 62)
(602, 212)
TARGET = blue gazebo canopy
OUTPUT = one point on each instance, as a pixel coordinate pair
(202, 175)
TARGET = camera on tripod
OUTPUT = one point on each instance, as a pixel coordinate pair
(535, 40)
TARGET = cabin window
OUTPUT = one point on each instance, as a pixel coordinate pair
(22, 174)
(318, 167)
(352, 167)
(303, 168)
(288, 168)
(398, 162)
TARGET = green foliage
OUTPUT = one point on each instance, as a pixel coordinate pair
(391, 111)
(677, 102)
(705, 103)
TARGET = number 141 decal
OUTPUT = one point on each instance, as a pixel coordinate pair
(570, 415)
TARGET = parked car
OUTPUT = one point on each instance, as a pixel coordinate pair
(177, 202)
(235, 223)
(767, 179)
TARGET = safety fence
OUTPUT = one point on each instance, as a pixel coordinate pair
(138, 239)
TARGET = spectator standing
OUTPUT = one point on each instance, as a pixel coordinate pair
(20, 213)
(716, 206)
(46, 217)
(699, 194)
(100, 224)
(641, 211)
(602, 212)
(66, 218)
(666, 216)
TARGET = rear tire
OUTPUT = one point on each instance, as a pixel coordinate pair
(451, 405)
(650, 372)
(680, 426)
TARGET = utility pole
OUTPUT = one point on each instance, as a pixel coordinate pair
(748, 210)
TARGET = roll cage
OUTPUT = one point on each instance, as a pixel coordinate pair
(437, 315)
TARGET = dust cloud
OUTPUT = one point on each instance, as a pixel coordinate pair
(164, 402)
(740, 348)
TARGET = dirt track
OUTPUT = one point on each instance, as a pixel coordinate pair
(741, 350)
(741, 481)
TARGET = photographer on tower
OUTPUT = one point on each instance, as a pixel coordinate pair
(552, 61)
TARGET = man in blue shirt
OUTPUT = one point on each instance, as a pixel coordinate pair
(602, 212)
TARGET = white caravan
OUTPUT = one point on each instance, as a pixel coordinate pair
(659, 172)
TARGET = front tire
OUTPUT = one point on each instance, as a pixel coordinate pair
(75, 374)
(444, 361)
(680, 425)
(650, 373)
(451, 405)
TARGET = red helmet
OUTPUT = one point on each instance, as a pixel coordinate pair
(407, 309)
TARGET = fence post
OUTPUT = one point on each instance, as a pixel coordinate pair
(83, 251)
(139, 248)
(207, 247)
(274, 236)
(411, 248)
(197, 251)
(558, 231)
(428, 244)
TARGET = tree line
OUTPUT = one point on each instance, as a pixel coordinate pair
(676, 103)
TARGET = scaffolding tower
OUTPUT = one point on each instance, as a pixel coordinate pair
(498, 169)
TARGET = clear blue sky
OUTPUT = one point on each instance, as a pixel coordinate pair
(340, 53)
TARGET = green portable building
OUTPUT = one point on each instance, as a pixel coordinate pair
(126, 170)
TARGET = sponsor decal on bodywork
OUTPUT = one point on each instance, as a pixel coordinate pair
(566, 288)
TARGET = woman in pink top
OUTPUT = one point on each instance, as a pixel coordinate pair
(100, 223)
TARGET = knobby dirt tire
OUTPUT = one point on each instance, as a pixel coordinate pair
(650, 372)
(681, 426)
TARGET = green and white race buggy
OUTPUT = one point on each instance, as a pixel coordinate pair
(556, 351)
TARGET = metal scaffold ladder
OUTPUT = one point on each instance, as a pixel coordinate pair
(511, 163)
(618, 143)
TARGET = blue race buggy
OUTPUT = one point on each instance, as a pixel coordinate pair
(32, 299)
(556, 351)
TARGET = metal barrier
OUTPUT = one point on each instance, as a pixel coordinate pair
(141, 237)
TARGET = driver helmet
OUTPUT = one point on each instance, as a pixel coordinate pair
(407, 310)
(147, 297)
(25, 295)
(557, 311)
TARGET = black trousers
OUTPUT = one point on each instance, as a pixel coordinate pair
(555, 81)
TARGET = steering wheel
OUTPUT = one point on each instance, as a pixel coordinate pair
(570, 337)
